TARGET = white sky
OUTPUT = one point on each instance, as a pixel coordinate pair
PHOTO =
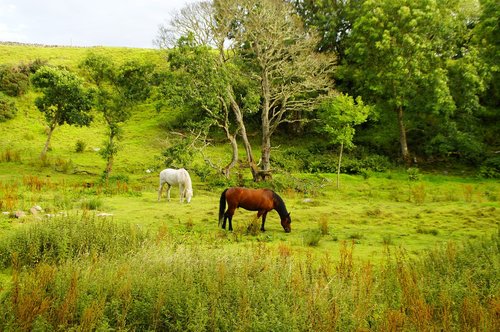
(130, 23)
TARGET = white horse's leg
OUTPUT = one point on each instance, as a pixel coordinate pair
(181, 192)
(159, 190)
(168, 191)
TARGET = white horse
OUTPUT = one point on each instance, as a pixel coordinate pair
(173, 177)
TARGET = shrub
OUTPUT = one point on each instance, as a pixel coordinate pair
(8, 109)
(307, 186)
(312, 238)
(490, 168)
(413, 174)
(14, 81)
(80, 146)
(365, 164)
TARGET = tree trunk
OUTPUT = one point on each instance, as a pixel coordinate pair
(340, 162)
(402, 138)
(248, 147)
(110, 156)
(266, 129)
(234, 147)
(265, 171)
(52, 127)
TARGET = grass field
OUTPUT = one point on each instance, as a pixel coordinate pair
(385, 252)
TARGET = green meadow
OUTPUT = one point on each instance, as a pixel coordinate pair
(386, 251)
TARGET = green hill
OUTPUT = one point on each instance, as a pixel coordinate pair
(25, 135)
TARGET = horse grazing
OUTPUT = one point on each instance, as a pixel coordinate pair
(260, 200)
(173, 177)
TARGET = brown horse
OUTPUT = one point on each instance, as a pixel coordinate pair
(260, 200)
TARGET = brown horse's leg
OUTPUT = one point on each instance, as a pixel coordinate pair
(264, 215)
(230, 223)
(224, 220)
(228, 215)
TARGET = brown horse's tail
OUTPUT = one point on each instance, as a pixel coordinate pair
(222, 205)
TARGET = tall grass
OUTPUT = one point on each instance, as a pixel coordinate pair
(68, 237)
(168, 285)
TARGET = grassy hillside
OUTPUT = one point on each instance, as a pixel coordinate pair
(70, 57)
(374, 210)
(392, 250)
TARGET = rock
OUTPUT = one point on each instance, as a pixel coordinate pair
(19, 214)
(104, 214)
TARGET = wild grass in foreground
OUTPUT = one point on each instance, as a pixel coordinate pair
(123, 279)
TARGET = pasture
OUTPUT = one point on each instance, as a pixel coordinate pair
(381, 253)
(387, 251)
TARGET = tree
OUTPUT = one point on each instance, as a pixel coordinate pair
(119, 88)
(397, 57)
(280, 54)
(338, 116)
(487, 39)
(194, 19)
(234, 89)
(331, 19)
(197, 82)
(265, 42)
(63, 100)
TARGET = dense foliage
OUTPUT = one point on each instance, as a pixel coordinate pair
(420, 60)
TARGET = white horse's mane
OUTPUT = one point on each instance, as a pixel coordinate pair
(186, 179)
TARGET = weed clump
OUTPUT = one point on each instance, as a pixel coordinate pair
(9, 156)
(312, 238)
(93, 203)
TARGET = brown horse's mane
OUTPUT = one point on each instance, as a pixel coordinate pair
(280, 206)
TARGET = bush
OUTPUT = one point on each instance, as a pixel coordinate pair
(320, 159)
(14, 81)
(8, 109)
(312, 238)
(490, 168)
(413, 174)
(306, 186)
(364, 164)
(80, 146)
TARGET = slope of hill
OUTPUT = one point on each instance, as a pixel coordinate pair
(24, 136)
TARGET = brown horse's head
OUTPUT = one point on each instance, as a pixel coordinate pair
(286, 223)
